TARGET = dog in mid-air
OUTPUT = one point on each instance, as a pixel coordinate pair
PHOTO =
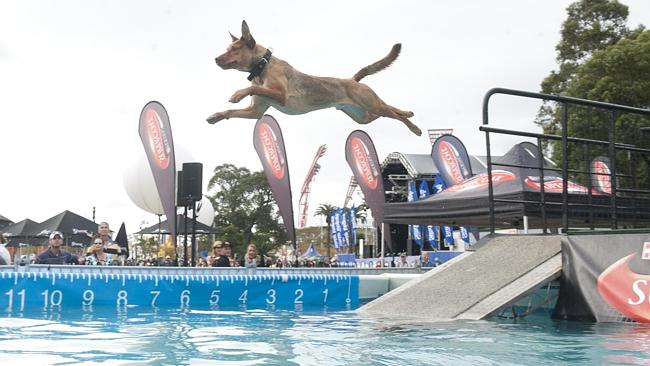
(275, 83)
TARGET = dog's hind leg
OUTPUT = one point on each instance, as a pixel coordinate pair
(386, 110)
(357, 114)
(405, 114)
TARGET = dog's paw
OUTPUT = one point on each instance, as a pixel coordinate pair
(416, 130)
(216, 118)
(238, 96)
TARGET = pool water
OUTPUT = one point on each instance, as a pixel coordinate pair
(239, 336)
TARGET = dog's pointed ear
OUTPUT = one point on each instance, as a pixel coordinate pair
(246, 35)
(234, 39)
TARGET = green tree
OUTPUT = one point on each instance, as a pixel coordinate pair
(601, 59)
(245, 208)
(326, 210)
(590, 26)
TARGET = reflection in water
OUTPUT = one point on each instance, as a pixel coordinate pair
(249, 337)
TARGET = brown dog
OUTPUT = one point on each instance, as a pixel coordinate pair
(275, 83)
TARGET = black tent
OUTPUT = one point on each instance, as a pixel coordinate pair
(76, 229)
(19, 232)
(4, 222)
(517, 194)
(161, 228)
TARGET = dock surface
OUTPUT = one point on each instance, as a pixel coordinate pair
(476, 284)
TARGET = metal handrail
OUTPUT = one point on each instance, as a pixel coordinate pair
(565, 139)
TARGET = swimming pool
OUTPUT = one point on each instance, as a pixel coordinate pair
(241, 336)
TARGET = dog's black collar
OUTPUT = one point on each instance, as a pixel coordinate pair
(259, 66)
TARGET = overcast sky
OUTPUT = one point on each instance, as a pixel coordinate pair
(74, 76)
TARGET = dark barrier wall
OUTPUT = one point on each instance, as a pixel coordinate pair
(605, 278)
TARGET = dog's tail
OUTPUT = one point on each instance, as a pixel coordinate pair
(379, 65)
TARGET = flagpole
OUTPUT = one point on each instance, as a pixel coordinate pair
(383, 245)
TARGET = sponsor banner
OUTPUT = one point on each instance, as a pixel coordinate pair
(464, 234)
(415, 230)
(482, 181)
(345, 231)
(156, 135)
(269, 144)
(333, 230)
(601, 178)
(553, 184)
(451, 158)
(362, 158)
(440, 186)
(430, 230)
(605, 278)
(449, 235)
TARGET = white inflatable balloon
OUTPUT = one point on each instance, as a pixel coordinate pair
(205, 211)
(139, 183)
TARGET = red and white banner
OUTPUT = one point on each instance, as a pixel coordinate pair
(269, 144)
(156, 135)
(362, 158)
(605, 278)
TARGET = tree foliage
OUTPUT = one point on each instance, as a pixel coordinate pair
(591, 25)
(245, 210)
(601, 59)
(326, 209)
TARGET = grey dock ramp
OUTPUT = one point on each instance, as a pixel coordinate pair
(476, 284)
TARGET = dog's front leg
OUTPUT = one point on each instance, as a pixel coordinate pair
(254, 111)
(279, 96)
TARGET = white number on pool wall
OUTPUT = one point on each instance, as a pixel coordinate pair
(271, 297)
(88, 297)
(214, 297)
(20, 293)
(53, 299)
(185, 298)
(122, 298)
(155, 297)
(244, 296)
(299, 294)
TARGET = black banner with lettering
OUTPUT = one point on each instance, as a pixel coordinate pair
(605, 278)
(451, 158)
(362, 158)
(156, 135)
(269, 144)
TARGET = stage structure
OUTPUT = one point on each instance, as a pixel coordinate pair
(435, 133)
(351, 187)
(303, 203)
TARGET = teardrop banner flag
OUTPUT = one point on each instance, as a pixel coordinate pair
(451, 158)
(362, 158)
(269, 144)
(156, 135)
(601, 174)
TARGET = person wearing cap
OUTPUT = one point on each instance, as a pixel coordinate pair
(403, 262)
(222, 252)
(54, 254)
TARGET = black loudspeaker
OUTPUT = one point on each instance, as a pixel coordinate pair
(180, 200)
(192, 182)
